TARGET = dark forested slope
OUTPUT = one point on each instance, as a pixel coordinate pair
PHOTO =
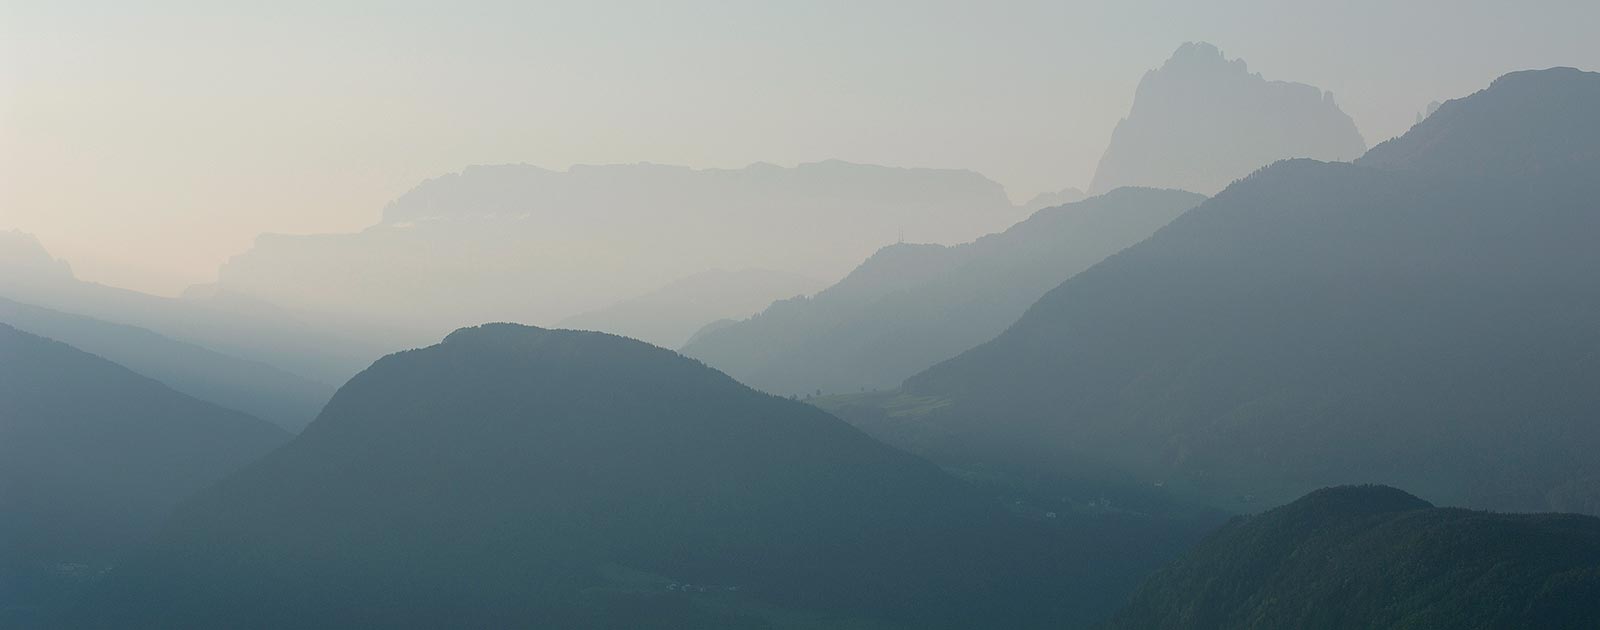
(515, 476)
(92, 458)
(1376, 557)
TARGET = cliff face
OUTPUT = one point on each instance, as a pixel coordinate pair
(1201, 121)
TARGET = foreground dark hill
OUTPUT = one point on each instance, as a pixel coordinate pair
(514, 477)
(1417, 322)
(1201, 121)
(92, 458)
(285, 399)
(910, 306)
(1376, 557)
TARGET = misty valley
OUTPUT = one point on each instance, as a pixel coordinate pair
(1255, 373)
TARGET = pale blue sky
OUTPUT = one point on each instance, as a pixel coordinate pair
(147, 141)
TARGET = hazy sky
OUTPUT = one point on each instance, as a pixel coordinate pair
(148, 141)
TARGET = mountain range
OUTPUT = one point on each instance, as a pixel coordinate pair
(1201, 121)
(318, 348)
(521, 243)
(287, 400)
(1423, 317)
(912, 305)
(670, 315)
(92, 458)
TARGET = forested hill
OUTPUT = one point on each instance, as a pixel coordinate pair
(1376, 557)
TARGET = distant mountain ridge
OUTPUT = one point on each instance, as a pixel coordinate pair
(287, 400)
(670, 315)
(22, 256)
(314, 348)
(92, 459)
(1201, 121)
(1529, 124)
(585, 238)
(1376, 557)
(1325, 323)
(911, 305)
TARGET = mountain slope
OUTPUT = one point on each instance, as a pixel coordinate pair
(1376, 557)
(668, 316)
(1320, 324)
(514, 476)
(285, 399)
(93, 457)
(249, 329)
(520, 243)
(909, 306)
(1531, 125)
(1201, 121)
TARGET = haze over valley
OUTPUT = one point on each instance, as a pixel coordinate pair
(799, 316)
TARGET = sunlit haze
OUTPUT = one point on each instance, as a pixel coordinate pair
(147, 142)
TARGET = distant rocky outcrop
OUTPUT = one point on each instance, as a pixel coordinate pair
(1051, 199)
(24, 260)
(1423, 317)
(1201, 121)
(522, 243)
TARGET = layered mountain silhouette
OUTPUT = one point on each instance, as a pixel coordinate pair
(1423, 317)
(513, 477)
(287, 400)
(318, 348)
(23, 257)
(912, 305)
(1051, 199)
(521, 243)
(668, 316)
(92, 458)
(1529, 129)
(1376, 557)
(1201, 121)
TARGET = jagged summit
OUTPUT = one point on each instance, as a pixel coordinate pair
(23, 258)
(1202, 55)
(1201, 121)
(1322, 323)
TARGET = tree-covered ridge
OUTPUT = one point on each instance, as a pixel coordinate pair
(1376, 557)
